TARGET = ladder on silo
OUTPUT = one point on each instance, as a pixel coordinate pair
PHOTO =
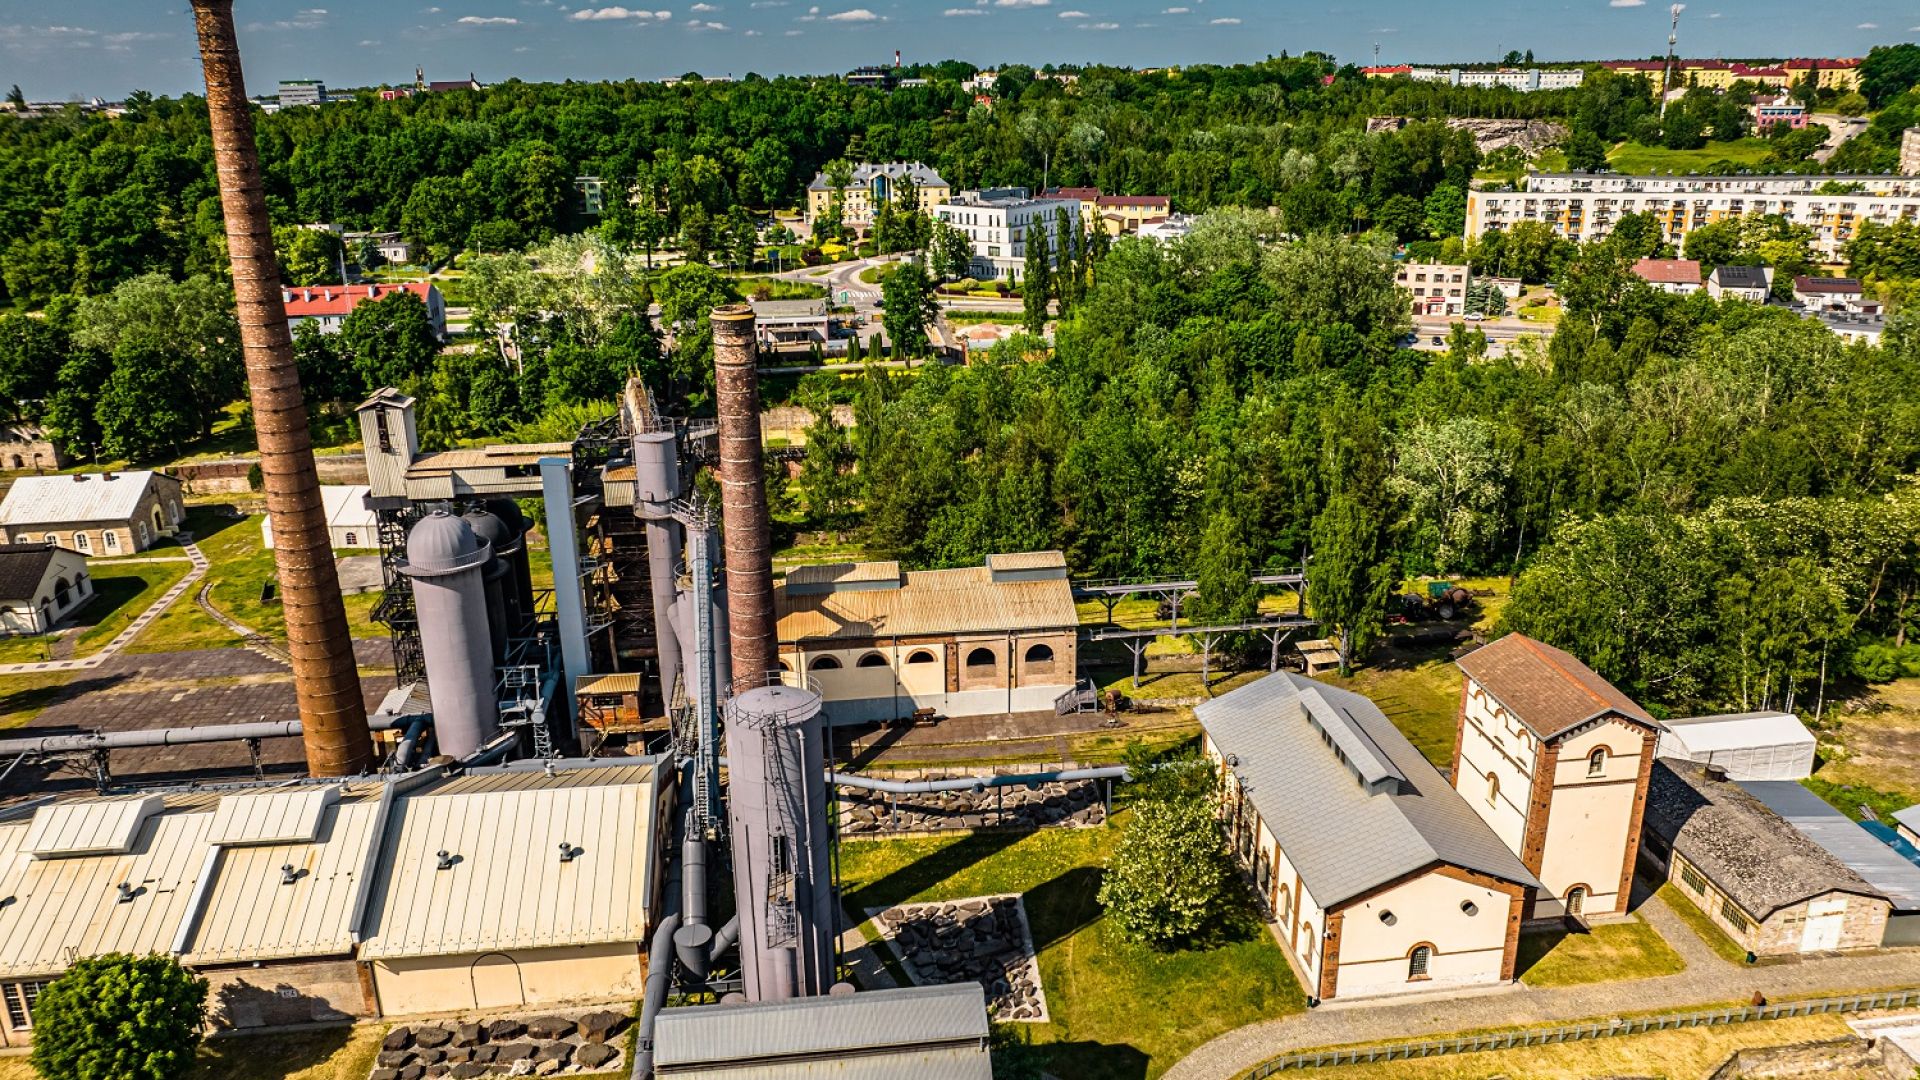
(707, 815)
(783, 922)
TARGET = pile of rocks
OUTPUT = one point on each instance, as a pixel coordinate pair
(542, 1046)
(984, 939)
(872, 813)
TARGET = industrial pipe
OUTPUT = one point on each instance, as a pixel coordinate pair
(181, 736)
(410, 741)
(727, 938)
(693, 941)
(660, 956)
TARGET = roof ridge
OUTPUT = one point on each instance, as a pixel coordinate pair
(1557, 666)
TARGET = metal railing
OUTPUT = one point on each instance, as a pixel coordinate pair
(1591, 1029)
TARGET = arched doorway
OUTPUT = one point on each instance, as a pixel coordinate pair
(1576, 901)
(496, 982)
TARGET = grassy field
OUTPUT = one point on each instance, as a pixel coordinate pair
(122, 591)
(22, 697)
(1119, 1010)
(779, 289)
(1606, 953)
(1701, 924)
(1633, 158)
(1687, 1054)
(1871, 756)
(957, 317)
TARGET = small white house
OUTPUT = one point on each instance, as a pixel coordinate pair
(1750, 746)
(350, 522)
(40, 584)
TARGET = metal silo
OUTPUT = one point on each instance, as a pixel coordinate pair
(446, 562)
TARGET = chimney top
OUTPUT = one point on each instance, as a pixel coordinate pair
(1717, 773)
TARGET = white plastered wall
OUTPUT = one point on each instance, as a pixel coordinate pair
(1590, 820)
(1468, 949)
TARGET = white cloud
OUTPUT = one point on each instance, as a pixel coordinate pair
(954, 11)
(1022, 3)
(858, 14)
(609, 13)
(703, 8)
(1074, 15)
(757, 4)
(486, 20)
(1100, 26)
(368, 43)
(697, 25)
(1224, 22)
(1868, 26)
(1176, 11)
(1626, 3)
(750, 33)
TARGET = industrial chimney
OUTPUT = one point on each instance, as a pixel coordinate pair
(325, 679)
(743, 496)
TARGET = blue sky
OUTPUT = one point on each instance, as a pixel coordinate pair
(108, 47)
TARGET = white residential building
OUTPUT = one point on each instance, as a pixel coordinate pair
(351, 523)
(1437, 288)
(302, 92)
(1585, 206)
(998, 222)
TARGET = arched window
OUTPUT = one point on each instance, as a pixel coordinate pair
(112, 538)
(1039, 656)
(872, 659)
(1307, 939)
(921, 656)
(1286, 905)
(784, 666)
(1493, 790)
(1417, 962)
(353, 539)
(981, 658)
(1576, 900)
(143, 534)
(1597, 762)
(82, 544)
(62, 593)
(824, 663)
(17, 463)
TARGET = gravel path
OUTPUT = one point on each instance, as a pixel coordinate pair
(133, 629)
(1708, 980)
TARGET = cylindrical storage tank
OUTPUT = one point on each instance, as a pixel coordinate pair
(501, 587)
(657, 483)
(509, 513)
(446, 562)
(777, 812)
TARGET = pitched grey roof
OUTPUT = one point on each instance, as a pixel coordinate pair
(22, 568)
(922, 175)
(1741, 277)
(1343, 836)
(1545, 688)
(924, 1032)
(63, 499)
(1910, 817)
(1749, 852)
(1863, 853)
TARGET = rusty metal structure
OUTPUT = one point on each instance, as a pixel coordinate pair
(326, 680)
(743, 496)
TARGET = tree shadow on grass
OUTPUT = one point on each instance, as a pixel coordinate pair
(250, 1056)
(927, 871)
(1062, 907)
(1094, 1060)
(205, 522)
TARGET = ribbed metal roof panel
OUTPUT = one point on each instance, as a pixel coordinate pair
(859, 1026)
(271, 817)
(1843, 838)
(252, 913)
(959, 601)
(76, 497)
(104, 826)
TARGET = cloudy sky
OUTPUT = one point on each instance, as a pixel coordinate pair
(108, 47)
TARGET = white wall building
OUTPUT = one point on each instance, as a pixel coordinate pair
(40, 584)
(1522, 79)
(1437, 288)
(350, 522)
(302, 92)
(1750, 746)
(1585, 206)
(999, 221)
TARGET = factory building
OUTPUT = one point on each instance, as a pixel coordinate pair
(1379, 878)
(881, 643)
(924, 1032)
(1556, 760)
(501, 888)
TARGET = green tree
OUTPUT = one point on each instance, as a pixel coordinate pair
(1586, 152)
(71, 411)
(119, 1017)
(687, 295)
(146, 410)
(1452, 475)
(1036, 279)
(1889, 71)
(439, 213)
(1353, 572)
(826, 473)
(910, 308)
(389, 341)
(308, 256)
(1170, 881)
(950, 251)
(31, 352)
(1446, 211)
(189, 325)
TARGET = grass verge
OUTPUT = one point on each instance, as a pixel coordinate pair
(23, 697)
(1118, 1009)
(1633, 158)
(1609, 952)
(1700, 923)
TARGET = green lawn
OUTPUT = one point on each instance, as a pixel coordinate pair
(122, 592)
(22, 697)
(1609, 952)
(1633, 158)
(1698, 920)
(1119, 1010)
(779, 289)
(957, 317)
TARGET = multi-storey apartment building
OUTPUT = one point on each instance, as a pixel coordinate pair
(874, 185)
(1522, 79)
(1437, 288)
(1585, 206)
(999, 222)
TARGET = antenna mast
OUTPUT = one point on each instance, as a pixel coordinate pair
(1673, 40)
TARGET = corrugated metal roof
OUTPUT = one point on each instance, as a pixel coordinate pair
(1860, 850)
(1738, 731)
(1910, 817)
(844, 573)
(104, 826)
(1547, 689)
(1342, 838)
(1027, 560)
(75, 497)
(507, 887)
(599, 775)
(1751, 853)
(250, 912)
(628, 683)
(503, 456)
(63, 908)
(271, 817)
(881, 1033)
(960, 601)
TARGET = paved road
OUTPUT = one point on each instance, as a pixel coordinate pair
(1708, 980)
(133, 629)
(1839, 129)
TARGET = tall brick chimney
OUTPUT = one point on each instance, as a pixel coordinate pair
(743, 495)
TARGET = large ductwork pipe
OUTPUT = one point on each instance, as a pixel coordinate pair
(694, 940)
(446, 562)
(974, 783)
(656, 461)
(180, 736)
(743, 495)
(326, 680)
(660, 957)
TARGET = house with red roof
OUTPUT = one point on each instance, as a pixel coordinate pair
(1680, 277)
(328, 305)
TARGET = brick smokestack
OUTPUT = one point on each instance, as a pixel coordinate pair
(743, 495)
(325, 679)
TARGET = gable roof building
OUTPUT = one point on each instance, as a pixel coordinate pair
(1335, 814)
(925, 1032)
(107, 513)
(1548, 689)
(1749, 746)
(1679, 276)
(40, 584)
(328, 306)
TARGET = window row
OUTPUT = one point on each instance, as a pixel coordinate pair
(978, 659)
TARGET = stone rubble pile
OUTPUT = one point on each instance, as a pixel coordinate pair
(467, 1050)
(1077, 803)
(984, 939)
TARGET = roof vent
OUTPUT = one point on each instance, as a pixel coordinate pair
(288, 875)
(1717, 773)
(568, 852)
(126, 894)
(446, 859)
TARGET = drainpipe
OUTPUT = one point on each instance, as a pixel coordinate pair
(660, 957)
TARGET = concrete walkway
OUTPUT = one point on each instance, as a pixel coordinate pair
(124, 637)
(1707, 981)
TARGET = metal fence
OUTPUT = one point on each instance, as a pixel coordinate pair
(1593, 1029)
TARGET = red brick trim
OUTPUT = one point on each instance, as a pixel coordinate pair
(1648, 743)
(1330, 956)
(1546, 759)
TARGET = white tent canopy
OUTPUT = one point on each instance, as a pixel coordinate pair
(1750, 746)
